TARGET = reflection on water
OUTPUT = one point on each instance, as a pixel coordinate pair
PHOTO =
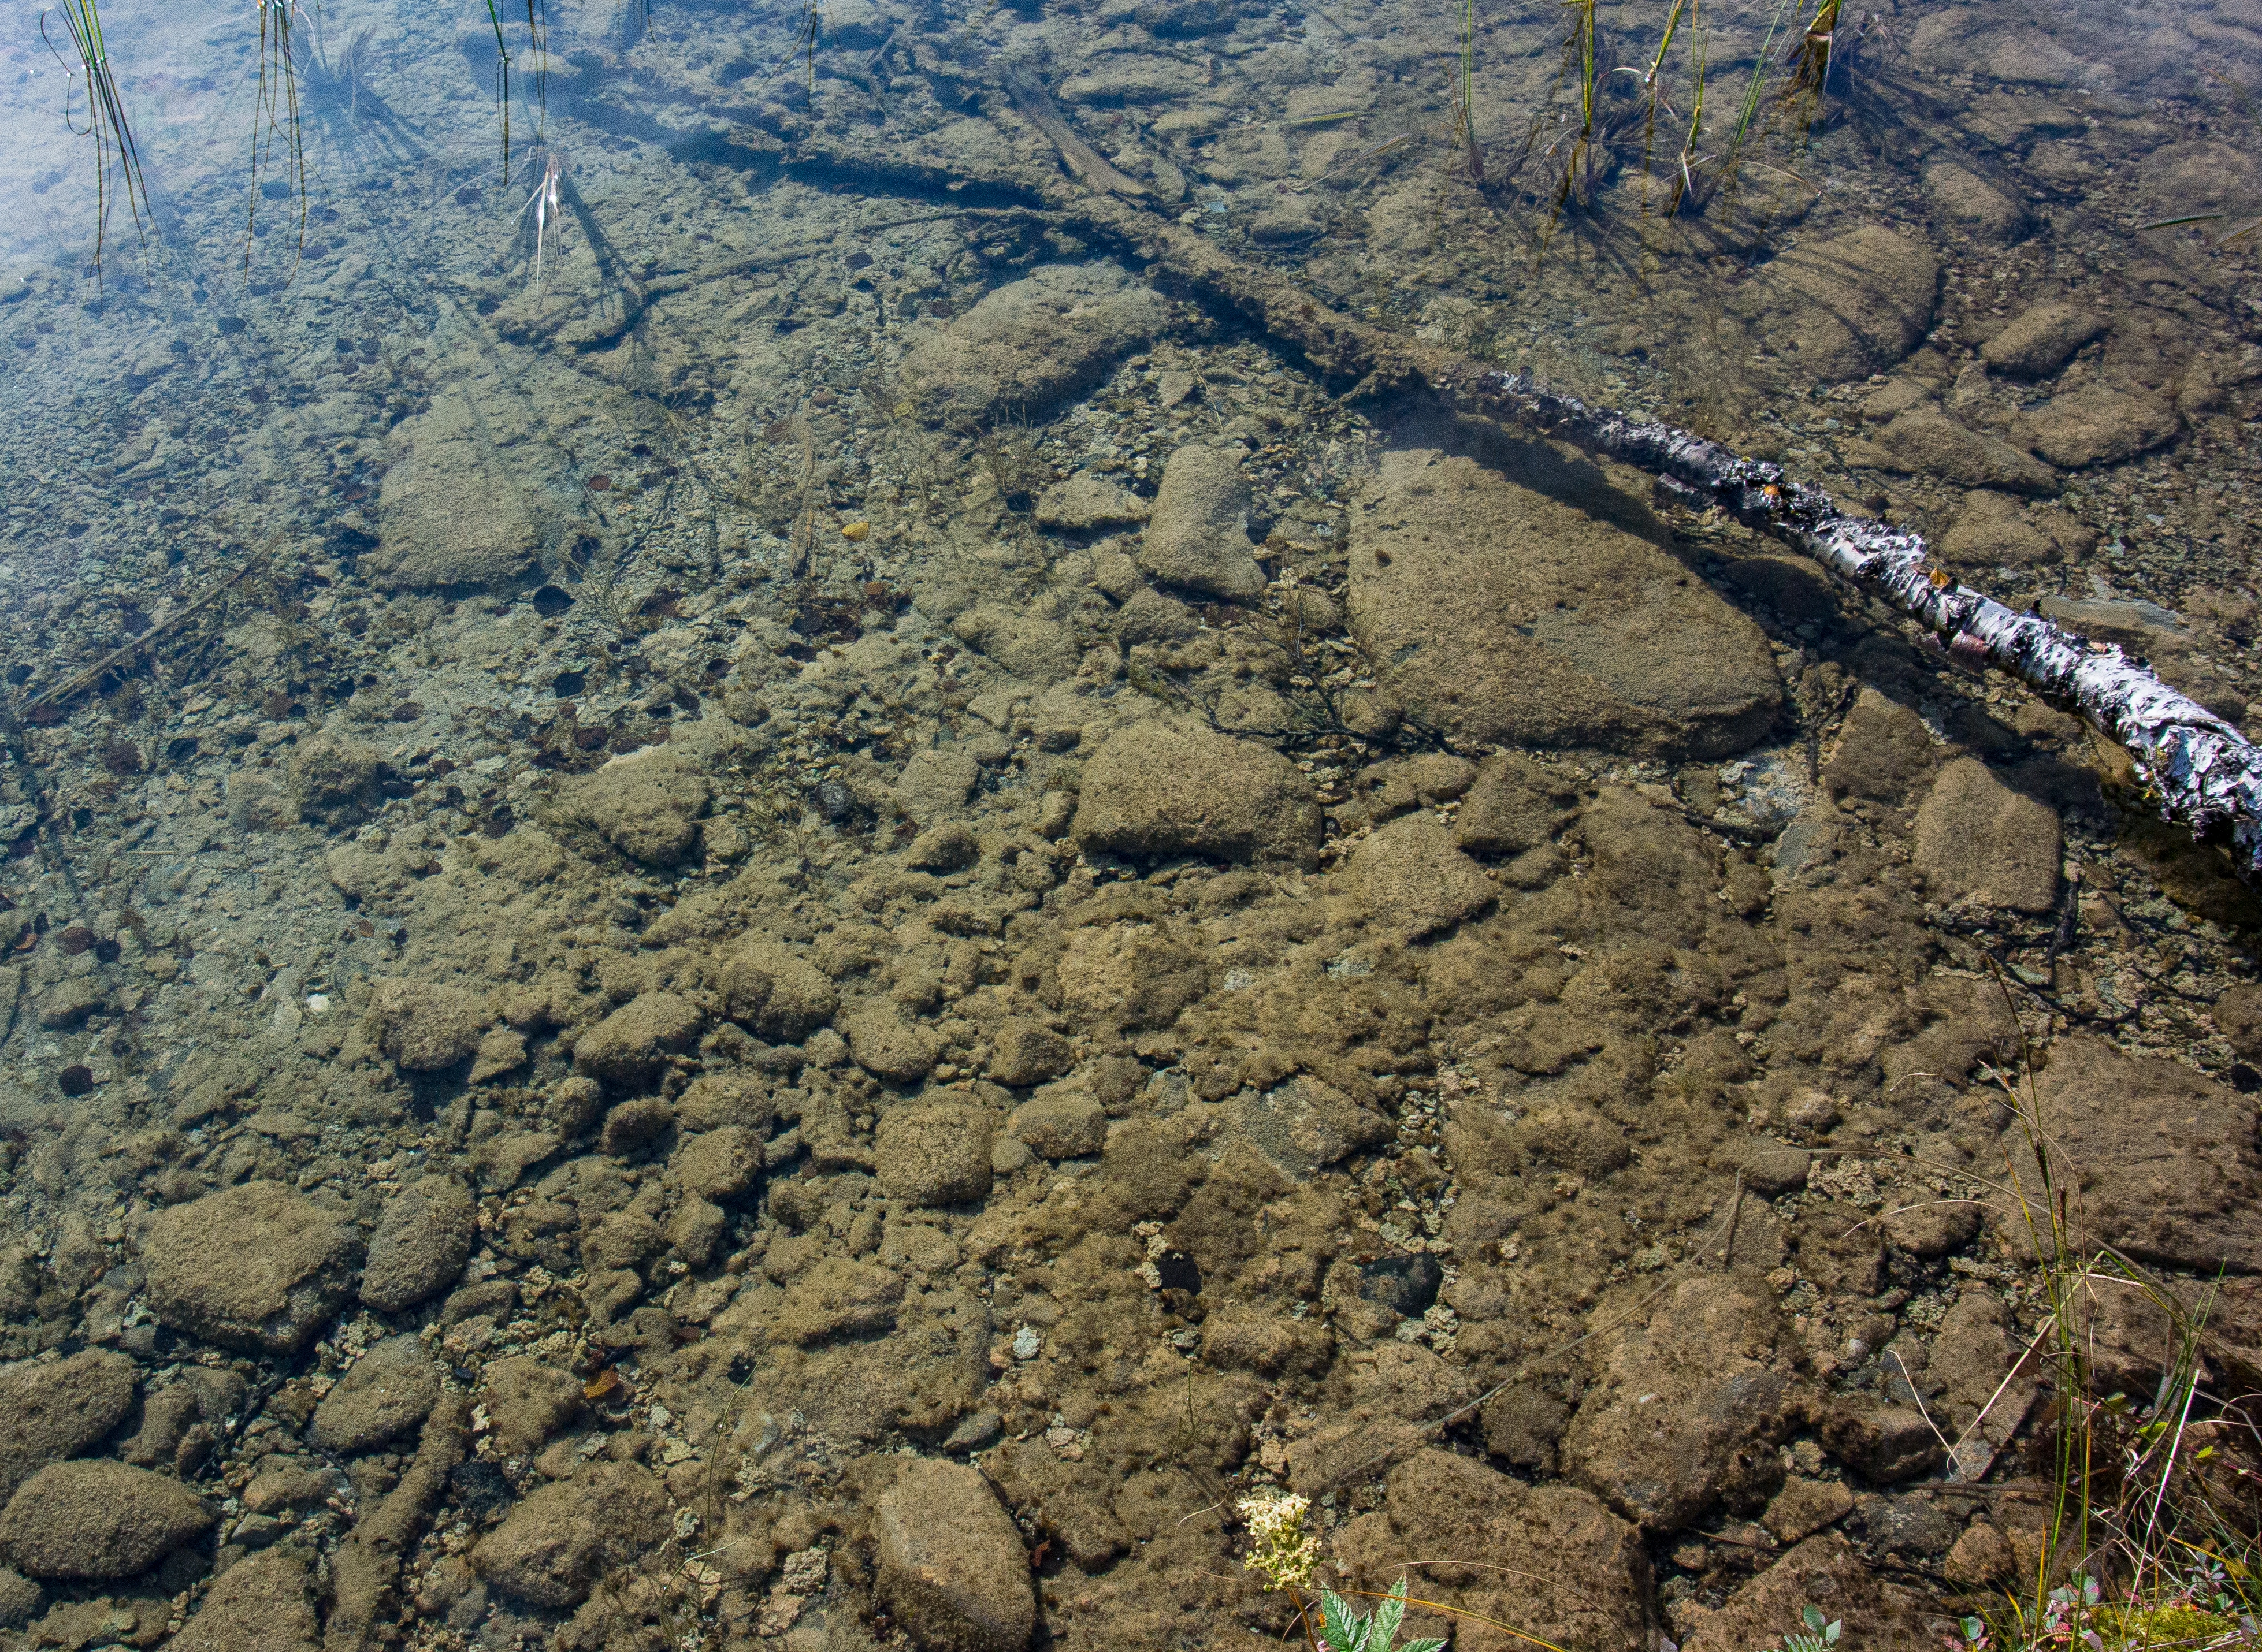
(717, 816)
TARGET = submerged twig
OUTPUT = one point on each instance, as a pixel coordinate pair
(77, 680)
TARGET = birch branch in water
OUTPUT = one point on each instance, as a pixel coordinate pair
(2200, 770)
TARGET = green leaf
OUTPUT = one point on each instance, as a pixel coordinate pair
(1343, 1629)
(1814, 1619)
(1387, 1617)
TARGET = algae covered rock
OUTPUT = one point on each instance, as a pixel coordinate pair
(952, 1567)
(934, 1152)
(555, 1544)
(422, 1239)
(254, 1267)
(449, 512)
(59, 1409)
(263, 1603)
(630, 1046)
(1169, 786)
(1198, 537)
(1511, 615)
(97, 1520)
(776, 992)
(646, 804)
(384, 1395)
(427, 1029)
(1033, 341)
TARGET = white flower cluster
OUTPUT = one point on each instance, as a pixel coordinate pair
(1286, 1552)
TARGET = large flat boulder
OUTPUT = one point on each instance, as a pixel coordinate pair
(1167, 788)
(1034, 341)
(1515, 617)
(254, 1267)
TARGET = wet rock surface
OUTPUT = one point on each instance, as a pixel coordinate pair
(818, 950)
(254, 1267)
(1504, 612)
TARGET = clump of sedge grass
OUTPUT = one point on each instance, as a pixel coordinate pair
(2152, 1535)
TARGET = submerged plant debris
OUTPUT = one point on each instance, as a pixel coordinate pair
(779, 872)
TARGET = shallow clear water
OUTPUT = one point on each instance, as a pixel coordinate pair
(963, 856)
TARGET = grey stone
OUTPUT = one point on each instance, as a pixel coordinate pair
(254, 1267)
(1198, 537)
(423, 1240)
(384, 1395)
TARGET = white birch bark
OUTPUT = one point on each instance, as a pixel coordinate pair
(2200, 770)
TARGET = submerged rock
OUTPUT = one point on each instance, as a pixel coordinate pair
(449, 512)
(2037, 341)
(2163, 1161)
(1508, 616)
(58, 1410)
(97, 1520)
(1167, 788)
(951, 1565)
(263, 1603)
(1036, 341)
(1979, 840)
(254, 1267)
(422, 1239)
(2096, 425)
(1846, 305)
(1198, 537)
